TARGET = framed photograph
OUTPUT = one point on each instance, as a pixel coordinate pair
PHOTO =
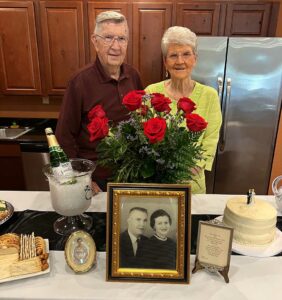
(148, 232)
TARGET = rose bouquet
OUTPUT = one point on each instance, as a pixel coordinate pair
(153, 145)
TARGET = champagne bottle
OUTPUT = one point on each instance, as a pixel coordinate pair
(59, 161)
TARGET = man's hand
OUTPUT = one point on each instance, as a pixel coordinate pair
(95, 188)
(196, 170)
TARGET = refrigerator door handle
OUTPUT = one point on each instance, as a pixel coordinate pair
(226, 104)
(220, 87)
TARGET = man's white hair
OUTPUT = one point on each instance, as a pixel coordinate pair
(109, 16)
(178, 35)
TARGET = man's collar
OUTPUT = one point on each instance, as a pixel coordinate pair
(104, 77)
(132, 237)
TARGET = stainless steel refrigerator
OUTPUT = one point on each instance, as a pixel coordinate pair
(247, 72)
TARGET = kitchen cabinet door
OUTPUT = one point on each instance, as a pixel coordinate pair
(247, 19)
(63, 42)
(19, 63)
(201, 17)
(150, 20)
(94, 8)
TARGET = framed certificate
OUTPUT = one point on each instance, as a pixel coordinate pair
(214, 248)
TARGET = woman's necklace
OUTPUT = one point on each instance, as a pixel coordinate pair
(160, 238)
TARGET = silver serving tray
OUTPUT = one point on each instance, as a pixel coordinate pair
(10, 209)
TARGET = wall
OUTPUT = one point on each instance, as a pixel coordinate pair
(277, 159)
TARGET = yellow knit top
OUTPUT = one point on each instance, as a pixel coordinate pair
(208, 107)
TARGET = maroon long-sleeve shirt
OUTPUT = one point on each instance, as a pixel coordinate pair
(86, 89)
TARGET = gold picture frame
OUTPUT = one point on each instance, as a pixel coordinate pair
(148, 232)
(80, 251)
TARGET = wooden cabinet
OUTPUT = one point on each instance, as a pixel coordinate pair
(247, 19)
(42, 43)
(237, 18)
(19, 63)
(201, 17)
(63, 41)
(11, 175)
(150, 22)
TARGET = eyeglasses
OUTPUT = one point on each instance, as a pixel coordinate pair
(185, 56)
(109, 39)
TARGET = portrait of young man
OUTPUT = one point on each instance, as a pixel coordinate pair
(132, 240)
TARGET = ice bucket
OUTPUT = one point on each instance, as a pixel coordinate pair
(71, 199)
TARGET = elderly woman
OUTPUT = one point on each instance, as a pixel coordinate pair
(179, 49)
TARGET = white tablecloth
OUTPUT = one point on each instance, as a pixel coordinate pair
(250, 278)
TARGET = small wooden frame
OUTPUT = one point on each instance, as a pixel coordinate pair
(214, 248)
(149, 205)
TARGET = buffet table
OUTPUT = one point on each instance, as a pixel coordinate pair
(250, 278)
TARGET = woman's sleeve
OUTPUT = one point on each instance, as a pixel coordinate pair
(211, 135)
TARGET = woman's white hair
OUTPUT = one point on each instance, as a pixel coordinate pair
(178, 35)
(109, 16)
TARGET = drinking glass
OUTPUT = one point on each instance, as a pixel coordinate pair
(72, 199)
(277, 191)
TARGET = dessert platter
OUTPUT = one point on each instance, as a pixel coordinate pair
(254, 223)
(6, 211)
(23, 256)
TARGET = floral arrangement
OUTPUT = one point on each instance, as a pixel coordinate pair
(153, 145)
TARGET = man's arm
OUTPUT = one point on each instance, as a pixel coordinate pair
(69, 121)
(139, 83)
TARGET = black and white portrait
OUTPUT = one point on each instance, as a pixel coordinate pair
(148, 232)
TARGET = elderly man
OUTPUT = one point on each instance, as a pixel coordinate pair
(132, 240)
(103, 82)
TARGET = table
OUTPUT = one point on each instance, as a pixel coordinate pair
(250, 278)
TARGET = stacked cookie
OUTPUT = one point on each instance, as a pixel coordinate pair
(22, 254)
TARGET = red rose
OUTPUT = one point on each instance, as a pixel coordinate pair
(160, 102)
(144, 110)
(98, 128)
(186, 104)
(195, 122)
(96, 111)
(155, 129)
(133, 100)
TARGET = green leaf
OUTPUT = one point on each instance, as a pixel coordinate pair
(148, 169)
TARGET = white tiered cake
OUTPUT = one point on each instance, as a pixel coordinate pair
(254, 223)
